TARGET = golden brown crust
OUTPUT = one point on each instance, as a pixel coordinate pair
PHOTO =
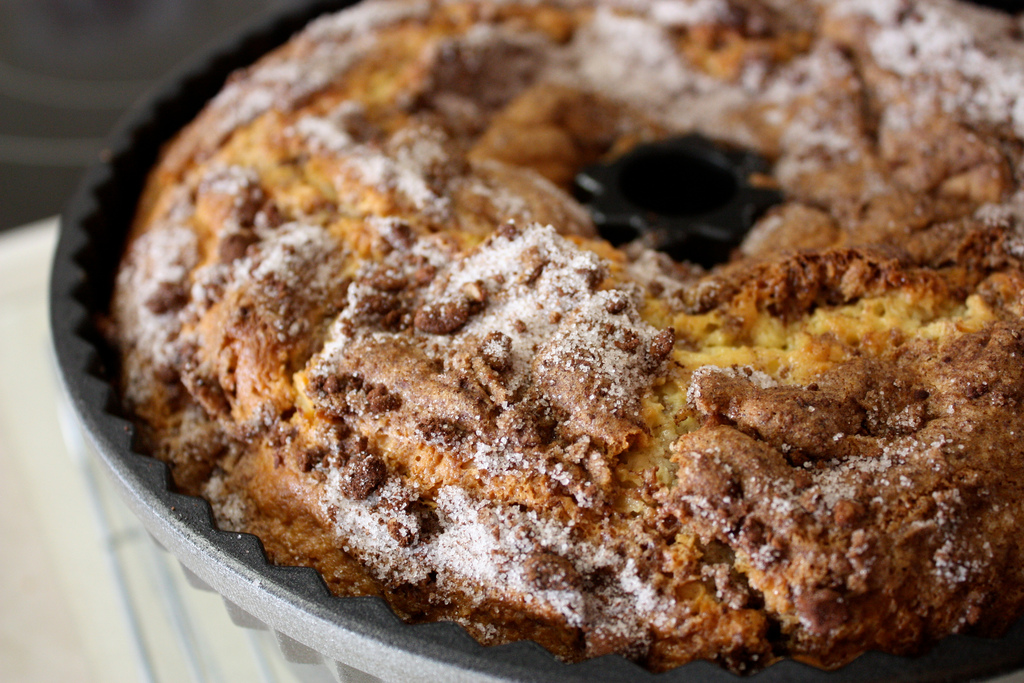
(360, 313)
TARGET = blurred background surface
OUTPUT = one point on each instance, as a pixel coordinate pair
(69, 69)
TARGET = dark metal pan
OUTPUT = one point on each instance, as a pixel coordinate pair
(359, 639)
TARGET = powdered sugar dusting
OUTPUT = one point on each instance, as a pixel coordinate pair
(290, 250)
(229, 508)
(534, 279)
(412, 165)
(1009, 214)
(613, 49)
(758, 378)
(432, 250)
(842, 481)
(232, 180)
(677, 13)
(561, 345)
(323, 53)
(295, 257)
(485, 549)
(961, 55)
(815, 129)
(601, 346)
(150, 292)
(366, 17)
(324, 134)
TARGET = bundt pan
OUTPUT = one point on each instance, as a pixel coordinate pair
(358, 639)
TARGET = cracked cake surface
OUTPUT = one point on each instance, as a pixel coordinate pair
(360, 311)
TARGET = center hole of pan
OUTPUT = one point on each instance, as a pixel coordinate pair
(675, 183)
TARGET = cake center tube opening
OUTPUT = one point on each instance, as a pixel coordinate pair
(690, 197)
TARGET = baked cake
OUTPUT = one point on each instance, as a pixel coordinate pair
(361, 312)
